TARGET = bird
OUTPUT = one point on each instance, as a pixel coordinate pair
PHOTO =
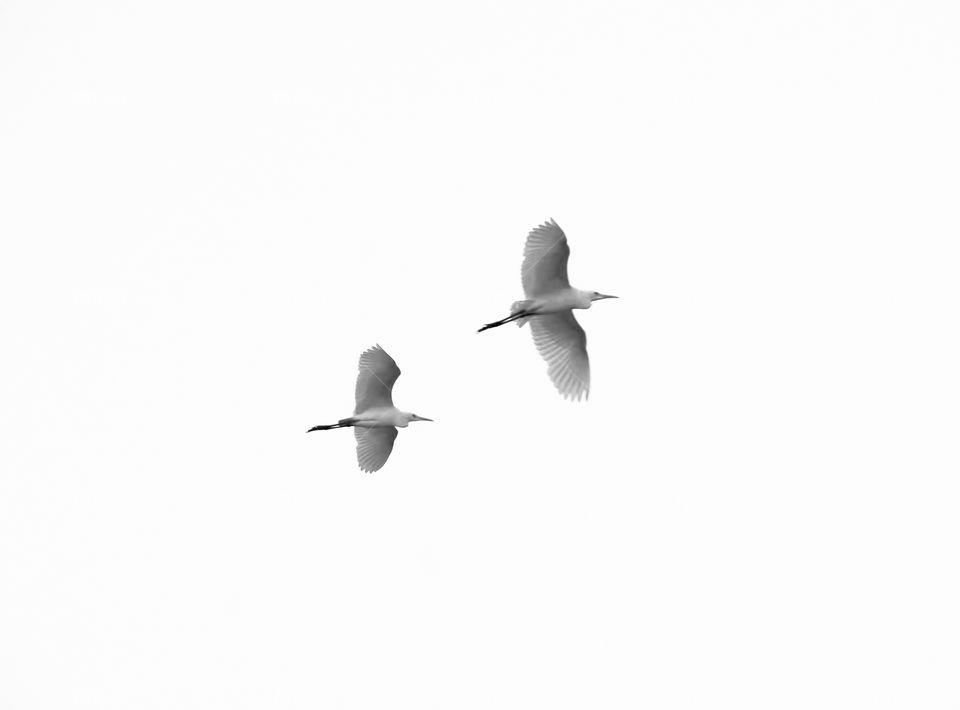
(375, 419)
(548, 307)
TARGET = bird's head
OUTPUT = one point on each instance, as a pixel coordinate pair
(597, 296)
(411, 417)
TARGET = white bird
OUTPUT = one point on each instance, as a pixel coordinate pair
(375, 419)
(549, 308)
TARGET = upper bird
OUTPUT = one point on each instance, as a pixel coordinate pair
(375, 419)
(549, 308)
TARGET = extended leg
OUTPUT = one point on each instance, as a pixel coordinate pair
(324, 427)
(512, 317)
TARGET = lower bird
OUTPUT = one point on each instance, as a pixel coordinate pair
(550, 301)
(375, 419)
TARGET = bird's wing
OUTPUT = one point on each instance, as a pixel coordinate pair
(375, 380)
(563, 344)
(545, 260)
(374, 445)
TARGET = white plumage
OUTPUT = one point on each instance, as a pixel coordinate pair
(549, 304)
(375, 419)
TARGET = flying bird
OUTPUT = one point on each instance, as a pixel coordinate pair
(375, 419)
(549, 304)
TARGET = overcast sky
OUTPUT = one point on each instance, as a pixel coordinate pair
(209, 209)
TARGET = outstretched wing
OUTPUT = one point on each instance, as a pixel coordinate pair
(374, 445)
(563, 344)
(375, 380)
(545, 260)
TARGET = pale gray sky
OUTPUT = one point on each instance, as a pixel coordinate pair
(211, 208)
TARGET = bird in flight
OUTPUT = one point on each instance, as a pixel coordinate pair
(375, 419)
(549, 304)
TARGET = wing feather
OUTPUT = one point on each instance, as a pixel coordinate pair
(377, 374)
(374, 445)
(545, 260)
(563, 344)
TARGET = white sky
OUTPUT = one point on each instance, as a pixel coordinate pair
(209, 209)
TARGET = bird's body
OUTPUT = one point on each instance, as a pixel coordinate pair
(548, 307)
(375, 419)
(382, 416)
(565, 299)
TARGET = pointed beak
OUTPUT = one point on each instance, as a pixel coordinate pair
(421, 419)
(603, 296)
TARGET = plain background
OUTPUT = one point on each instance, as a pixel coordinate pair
(209, 209)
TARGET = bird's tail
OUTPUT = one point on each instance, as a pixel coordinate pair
(324, 427)
(516, 308)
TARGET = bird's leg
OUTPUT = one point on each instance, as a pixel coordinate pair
(504, 321)
(324, 427)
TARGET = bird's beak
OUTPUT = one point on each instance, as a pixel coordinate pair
(421, 419)
(603, 296)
